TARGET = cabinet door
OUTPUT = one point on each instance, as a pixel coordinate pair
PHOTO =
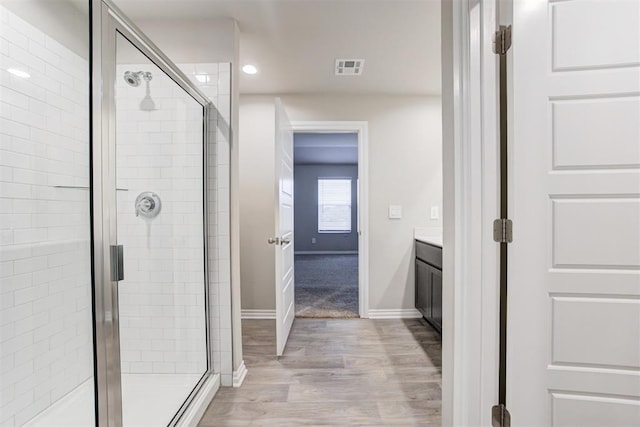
(436, 295)
(423, 288)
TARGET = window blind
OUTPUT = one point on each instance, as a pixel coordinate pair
(334, 205)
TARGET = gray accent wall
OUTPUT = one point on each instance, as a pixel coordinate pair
(306, 209)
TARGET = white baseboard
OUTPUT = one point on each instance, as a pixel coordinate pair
(198, 406)
(258, 314)
(403, 313)
(239, 375)
(326, 253)
(226, 380)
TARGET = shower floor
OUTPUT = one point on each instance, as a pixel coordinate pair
(147, 400)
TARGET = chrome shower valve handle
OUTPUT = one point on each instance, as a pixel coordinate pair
(148, 205)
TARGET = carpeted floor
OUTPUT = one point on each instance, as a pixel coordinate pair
(326, 286)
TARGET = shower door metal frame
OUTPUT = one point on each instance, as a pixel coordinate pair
(107, 21)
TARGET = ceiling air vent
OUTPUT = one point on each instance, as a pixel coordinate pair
(349, 67)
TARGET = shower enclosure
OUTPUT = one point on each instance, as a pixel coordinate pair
(105, 311)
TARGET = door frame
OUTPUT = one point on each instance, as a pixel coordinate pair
(470, 204)
(361, 128)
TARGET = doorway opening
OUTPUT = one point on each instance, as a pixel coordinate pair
(331, 219)
(326, 224)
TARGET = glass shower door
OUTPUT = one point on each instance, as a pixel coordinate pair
(159, 153)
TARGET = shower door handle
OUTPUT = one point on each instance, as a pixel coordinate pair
(117, 263)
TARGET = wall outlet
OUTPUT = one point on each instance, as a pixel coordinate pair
(435, 212)
(313, 240)
(395, 211)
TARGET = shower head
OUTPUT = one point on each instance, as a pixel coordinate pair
(133, 77)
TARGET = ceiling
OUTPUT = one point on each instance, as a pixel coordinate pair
(294, 43)
(325, 148)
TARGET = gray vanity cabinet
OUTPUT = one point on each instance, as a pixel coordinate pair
(429, 283)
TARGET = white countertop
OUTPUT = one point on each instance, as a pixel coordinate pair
(432, 236)
(436, 241)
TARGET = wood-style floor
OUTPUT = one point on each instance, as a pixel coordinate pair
(336, 372)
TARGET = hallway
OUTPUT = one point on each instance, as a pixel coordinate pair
(336, 372)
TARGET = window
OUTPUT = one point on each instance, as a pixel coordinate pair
(334, 205)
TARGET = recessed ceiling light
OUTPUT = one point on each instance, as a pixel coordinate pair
(250, 69)
(19, 73)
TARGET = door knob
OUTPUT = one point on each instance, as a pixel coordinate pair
(285, 241)
(274, 240)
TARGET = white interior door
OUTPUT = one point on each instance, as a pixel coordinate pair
(574, 265)
(285, 310)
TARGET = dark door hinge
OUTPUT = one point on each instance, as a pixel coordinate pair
(502, 40)
(500, 417)
(503, 230)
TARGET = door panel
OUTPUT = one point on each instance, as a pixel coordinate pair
(578, 135)
(423, 288)
(587, 411)
(581, 41)
(285, 311)
(436, 295)
(573, 247)
(573, 349)
(575, 321)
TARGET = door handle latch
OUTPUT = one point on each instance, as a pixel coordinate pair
(117, 263)
(279, 241)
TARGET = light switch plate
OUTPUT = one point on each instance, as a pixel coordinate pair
(435, 212)
(395, 211)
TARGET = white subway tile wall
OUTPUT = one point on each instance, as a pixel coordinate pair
(162, 299)
(162, 324)
(215, 81)
(45, 284)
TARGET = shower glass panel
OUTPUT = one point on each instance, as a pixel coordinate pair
(46, 334)
(160, 223)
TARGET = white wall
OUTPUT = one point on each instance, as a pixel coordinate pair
(405, 157)
(188, 40)
(257, 212)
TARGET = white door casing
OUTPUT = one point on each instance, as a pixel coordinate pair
(285, 302)
(361, 129)
(574, 265)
